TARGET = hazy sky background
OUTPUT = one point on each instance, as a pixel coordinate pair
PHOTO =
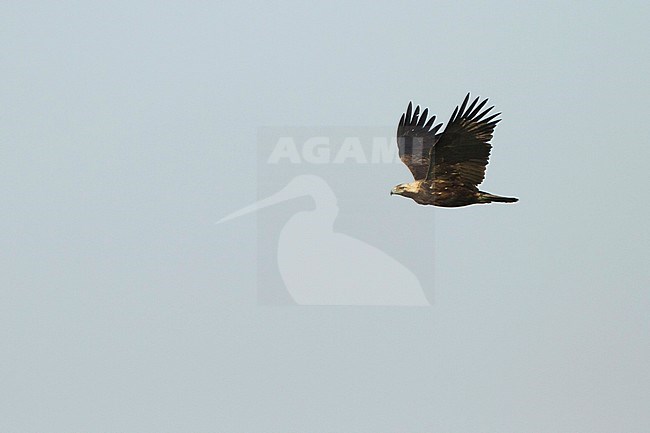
(129, 128)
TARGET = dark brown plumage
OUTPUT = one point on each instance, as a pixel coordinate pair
(447, 167)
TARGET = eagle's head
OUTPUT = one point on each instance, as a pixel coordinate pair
(406, 189)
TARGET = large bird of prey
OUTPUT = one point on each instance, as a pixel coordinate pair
(447, 167)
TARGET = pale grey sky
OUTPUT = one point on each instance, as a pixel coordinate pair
(129, 128)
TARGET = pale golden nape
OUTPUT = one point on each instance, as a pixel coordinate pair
(406, 188)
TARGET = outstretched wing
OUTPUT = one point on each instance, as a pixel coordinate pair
(461, 153)
(415, 138)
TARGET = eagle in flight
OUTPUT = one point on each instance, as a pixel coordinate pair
(447, 167)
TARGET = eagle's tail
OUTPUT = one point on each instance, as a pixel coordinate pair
(486, 197)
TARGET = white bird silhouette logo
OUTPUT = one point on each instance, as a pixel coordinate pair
(322, 267)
